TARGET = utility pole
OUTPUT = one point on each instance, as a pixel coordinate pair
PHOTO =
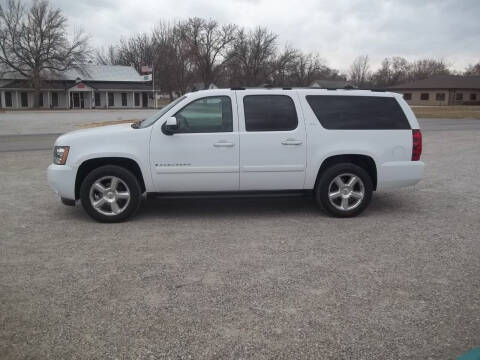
(153, 86)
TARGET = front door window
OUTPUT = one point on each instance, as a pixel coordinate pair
(206, 115)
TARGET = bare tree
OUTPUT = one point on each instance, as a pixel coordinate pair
(309, 67)
(283, 66)
(208, 44)
(33, 42)
(360, 71)
(136, 51)
(252, 57)
(108, 56)
(425, 68)
(473, 70)
(172, 59)
(394, 70)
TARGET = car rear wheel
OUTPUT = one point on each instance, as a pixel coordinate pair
(344, 190)
(110, 194)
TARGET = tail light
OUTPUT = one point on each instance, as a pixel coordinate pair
(417, 144)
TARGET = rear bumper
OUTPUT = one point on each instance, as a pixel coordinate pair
(61, 179)
(396, 174)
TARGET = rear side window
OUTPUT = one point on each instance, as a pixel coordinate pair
(358, 112)
(269, 113)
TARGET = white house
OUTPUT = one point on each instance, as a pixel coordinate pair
(94, 86)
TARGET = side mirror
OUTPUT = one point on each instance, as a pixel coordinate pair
(170, 126)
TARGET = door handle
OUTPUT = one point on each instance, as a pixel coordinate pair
(292, 142)
(223, 143)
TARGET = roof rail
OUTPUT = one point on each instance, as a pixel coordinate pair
(237, 88)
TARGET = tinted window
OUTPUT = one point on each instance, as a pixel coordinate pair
(269, 113)
(205, 115)
(358, 112)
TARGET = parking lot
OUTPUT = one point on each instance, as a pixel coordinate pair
(245, 278)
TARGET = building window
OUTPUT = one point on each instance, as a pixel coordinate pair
(407, 96)
(473, 97)
(269, 113)
(40, 99)
(459, 96)
(8, 99)
(124, 99)
(440, 96)
(24, 99)
(54, 99)
(97, 99)
(137, 99)
(111, 101)
(424, 96)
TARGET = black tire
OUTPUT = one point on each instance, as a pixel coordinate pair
(124, 175)
(325, 181)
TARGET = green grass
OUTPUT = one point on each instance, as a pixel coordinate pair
(448, 112)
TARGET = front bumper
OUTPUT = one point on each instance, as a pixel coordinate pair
(397, 174)
(61, 179)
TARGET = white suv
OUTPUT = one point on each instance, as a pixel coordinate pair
(338, 145)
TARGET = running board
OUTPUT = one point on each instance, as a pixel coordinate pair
(230, 194)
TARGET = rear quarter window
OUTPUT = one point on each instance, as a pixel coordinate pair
(269, 113)
(358, 112)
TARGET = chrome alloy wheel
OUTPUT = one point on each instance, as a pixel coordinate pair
(346, 192)
(109, 195)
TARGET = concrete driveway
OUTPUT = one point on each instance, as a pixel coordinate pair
(240, 279)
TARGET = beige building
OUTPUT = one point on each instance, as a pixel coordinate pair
(441, 90)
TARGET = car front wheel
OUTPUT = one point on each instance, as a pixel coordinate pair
(344, 190)
(110, 194)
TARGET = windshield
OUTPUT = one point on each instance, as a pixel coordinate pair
(150, 120)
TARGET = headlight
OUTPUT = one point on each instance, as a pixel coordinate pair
(60, 154)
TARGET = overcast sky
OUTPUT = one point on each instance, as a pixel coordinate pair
(338, 30)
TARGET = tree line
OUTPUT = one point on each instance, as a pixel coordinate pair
(203, 51)
(187, 54)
